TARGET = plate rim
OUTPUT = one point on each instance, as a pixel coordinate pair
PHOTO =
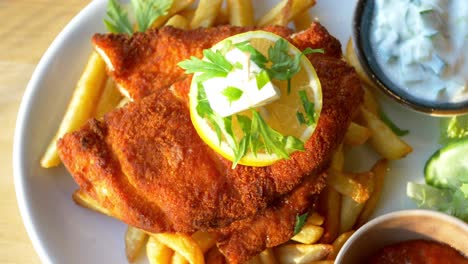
(19, 166)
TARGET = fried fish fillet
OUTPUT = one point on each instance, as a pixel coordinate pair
(146, 62)
(146, 164)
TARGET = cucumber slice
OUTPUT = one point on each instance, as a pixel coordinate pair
(448, 167)
(437, 64)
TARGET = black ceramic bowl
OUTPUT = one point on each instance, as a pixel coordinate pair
(362, 22)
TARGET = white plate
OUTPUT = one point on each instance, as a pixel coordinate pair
(62, 232)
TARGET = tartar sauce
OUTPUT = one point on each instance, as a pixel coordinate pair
(421, 45)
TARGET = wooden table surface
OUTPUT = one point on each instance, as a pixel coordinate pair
(28, 28)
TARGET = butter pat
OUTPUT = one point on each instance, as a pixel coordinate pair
(244, 81)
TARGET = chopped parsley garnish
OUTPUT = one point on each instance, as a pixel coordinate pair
(145, 11)
(398, 131)
(255, 55)
(262, 79)
(309, 109)
(232, 93)
(300, 222)
(216, 65)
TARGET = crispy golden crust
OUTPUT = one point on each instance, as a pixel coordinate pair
(147, 165)
(246, 238)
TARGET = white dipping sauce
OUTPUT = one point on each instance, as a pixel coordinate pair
(421, 45)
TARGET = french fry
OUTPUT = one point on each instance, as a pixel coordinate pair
(240, 13)
(177, 6)
(109, 99)
(178, 21)
(85, 200)
(183, 245)
(206, 13)
(350, 211)
(157, 252)
(302, 254)
(370, 103)
(380, 170)
(338, 244)
(337, 162)
(283, 17)
(315, 219)
(274, 17)
(383, 140)
(223, 17)
(205, 240)
(214, 256)
(353, 60)
(188, 13)
(81, 107)
(356, 134)
(329, 206)
(177, 258)
(302, 21)
(309, 234)
(135, 240)
(254, 260)
(268, 257)
(352, 185)
(312, 231)
(123, 102)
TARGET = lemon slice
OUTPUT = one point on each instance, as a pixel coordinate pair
(281, 115)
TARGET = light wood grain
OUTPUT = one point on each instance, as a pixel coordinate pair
(28, 28)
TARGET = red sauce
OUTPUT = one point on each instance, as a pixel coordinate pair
(416, 252)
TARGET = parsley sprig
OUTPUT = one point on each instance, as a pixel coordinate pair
(300, 222)
(215, 65)
(145, 11)
(309, 109)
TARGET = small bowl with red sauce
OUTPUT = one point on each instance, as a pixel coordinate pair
(420, 236)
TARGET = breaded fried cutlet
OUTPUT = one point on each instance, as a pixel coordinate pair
(146, 164)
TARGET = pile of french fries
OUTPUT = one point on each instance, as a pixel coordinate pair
(347, 202)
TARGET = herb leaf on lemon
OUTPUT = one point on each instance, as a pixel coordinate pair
(283, 66)
(232, 93)
(309, 108)
(216, 65)
(255, 55)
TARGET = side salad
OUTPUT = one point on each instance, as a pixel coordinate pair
(446, 172)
